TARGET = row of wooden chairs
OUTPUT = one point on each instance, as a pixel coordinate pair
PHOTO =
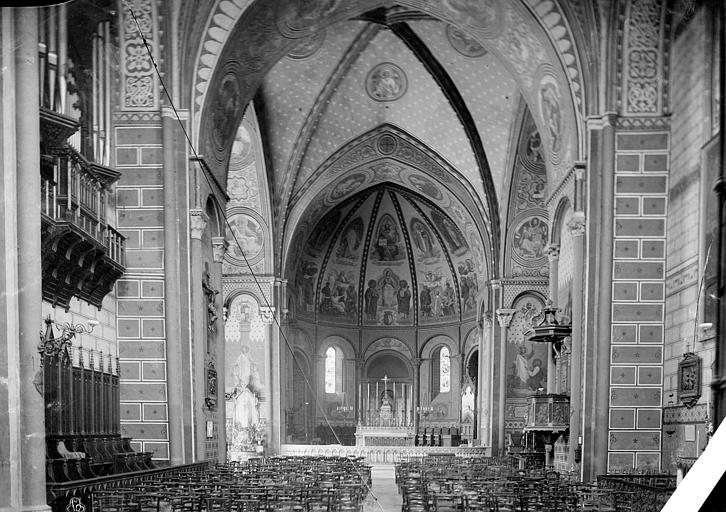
(436, 484)
(276, 484)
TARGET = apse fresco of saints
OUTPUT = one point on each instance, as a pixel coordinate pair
(387, 244)
(450, 233)
(424, 241)
(468, 285)
(339, 295)
(323, 231)
(350, 241)
(305, 281)
(387, 300)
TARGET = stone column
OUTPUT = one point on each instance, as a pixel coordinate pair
(271, 404)
(484, 378)
(319, 388)
(172, 294)
(219, 247)
(577, 229)
(197, 224)
(359, 392)
(30, 293)
(553, 254)
(596, 354)
(276, 351)
(504, 316)
(416, 362)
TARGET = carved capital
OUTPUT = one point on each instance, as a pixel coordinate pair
(416, 363)
(496, 284)
(553, 252)
(487, 319)
(579, 169)
(219, 247)
(577, 224)
(197, 223)
(504, 316)
(267, 314)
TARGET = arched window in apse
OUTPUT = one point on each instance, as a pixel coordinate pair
(330, 370)
(444, 371)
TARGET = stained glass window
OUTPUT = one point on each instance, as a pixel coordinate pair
(330, 370)
(444, 370)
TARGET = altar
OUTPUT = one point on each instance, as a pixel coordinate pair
(385, 436)
(386, 415)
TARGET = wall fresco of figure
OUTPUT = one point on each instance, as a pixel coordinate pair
(244, 371)
(449, 232)
(387, 299)
(339, 295)
(387, 242)
(526, 361)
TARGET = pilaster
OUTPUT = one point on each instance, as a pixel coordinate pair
(27, 125)
(504, 317)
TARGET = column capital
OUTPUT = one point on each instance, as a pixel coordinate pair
(488, 319)
(267, 314)
(416, 363)
(580, 168)
(553, 252)
(197, 223)
(577, 224)
(496, 284)
(360, 362)
(504, 316)
(219, 247)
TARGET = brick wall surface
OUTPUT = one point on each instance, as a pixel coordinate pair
(140, 304)
(638, 294)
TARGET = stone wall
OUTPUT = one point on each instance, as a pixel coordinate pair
(690, 77)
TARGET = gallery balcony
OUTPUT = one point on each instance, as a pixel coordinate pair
(83, 255)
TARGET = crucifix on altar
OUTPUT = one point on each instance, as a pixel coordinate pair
(390, 406)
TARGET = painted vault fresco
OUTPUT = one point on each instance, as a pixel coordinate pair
(388, 257)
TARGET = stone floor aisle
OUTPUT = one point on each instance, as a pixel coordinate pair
(384, 488)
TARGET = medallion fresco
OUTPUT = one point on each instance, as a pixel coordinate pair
(247, 239)
(386, 82)
(464, 43)
(308, 46)
(530, 238)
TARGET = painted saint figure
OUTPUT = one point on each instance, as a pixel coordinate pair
(404, 300)
(371, 300)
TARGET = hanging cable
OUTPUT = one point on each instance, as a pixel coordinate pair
(205, 173)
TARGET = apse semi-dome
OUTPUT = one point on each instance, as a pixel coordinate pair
(387, 257)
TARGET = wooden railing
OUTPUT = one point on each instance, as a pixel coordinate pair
(75, 190)
(649, 493)
(61, 495)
